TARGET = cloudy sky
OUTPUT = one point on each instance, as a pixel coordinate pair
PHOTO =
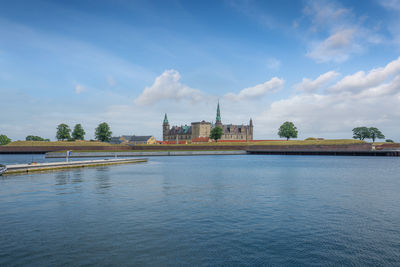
(327, 66)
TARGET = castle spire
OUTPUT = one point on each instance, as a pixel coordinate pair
(165, 119)
(218, 118)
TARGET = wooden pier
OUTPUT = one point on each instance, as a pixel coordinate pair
(37, 167)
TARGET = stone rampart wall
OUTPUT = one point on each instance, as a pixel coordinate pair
(44, 149)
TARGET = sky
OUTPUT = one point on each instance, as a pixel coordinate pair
(326, 66)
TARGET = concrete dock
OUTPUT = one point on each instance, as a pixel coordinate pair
(77, 154)
(37, 167)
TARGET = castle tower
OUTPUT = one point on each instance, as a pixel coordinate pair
(251, 129)
(218, 118)
(165, 127)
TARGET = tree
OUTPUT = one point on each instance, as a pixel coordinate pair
(4, 140)
(78, 133)
(35, 138)
(216, 133)
(63, 132)
(389, 141)
(361, 133)
(103, 132)
(374, 133)
(288, 130)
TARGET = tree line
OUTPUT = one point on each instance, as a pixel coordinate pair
(102, 132)
(368, 133)
(289, 130)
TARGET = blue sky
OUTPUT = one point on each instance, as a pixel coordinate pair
(328, 66)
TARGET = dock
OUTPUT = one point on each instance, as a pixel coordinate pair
(37, 167)
(77, 154)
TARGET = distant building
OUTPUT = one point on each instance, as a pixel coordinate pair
(202, 130)
(133, 139)
(147, 140)
(116, 140)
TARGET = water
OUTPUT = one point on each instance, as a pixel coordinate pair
(39, 158)
(206, 210)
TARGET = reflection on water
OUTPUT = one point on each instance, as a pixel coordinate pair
(68, 181)
(77, 176)
(103, 179)
(62, 177)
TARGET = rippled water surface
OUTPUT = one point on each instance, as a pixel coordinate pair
(206, 210)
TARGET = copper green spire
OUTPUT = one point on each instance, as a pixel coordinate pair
(165, 119)
(218, 119)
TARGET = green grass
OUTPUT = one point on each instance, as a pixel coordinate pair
(57, 143)
(275, 143)
(192, 146)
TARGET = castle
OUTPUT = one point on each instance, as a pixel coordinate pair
(202, 130)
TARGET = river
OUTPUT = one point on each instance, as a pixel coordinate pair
(204, 210)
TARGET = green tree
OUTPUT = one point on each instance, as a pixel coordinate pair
(103, 132)
(361, 133)
(78, 133)
(63, 132)
(374, 133)
(389, 141)
(35, 138)
(4, 140)
(288, 130)
(216, 133)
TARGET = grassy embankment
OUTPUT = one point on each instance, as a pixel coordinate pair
(229, 145)
(190, 147)
(263, 143)
(58, 143)
(278, 143)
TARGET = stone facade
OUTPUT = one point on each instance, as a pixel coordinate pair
(133, 139)
(203, 129)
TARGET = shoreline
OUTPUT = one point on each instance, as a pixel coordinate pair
(293, 148)
(220, 153)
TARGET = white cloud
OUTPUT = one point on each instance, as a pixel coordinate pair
(79, 88)
(257, 91)
(336, 47)
(332, 116)
(167, 86)
(382, 89)
(324, 14)
(361, 81)
(390, 4)
(374, 103)
(311, 86)
(338, 32)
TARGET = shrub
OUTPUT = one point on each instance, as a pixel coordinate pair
(310, 138)
(389, 141)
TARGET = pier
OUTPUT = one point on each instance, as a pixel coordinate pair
(77, 154)
(37, 167)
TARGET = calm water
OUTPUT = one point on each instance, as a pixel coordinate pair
(208, 210)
